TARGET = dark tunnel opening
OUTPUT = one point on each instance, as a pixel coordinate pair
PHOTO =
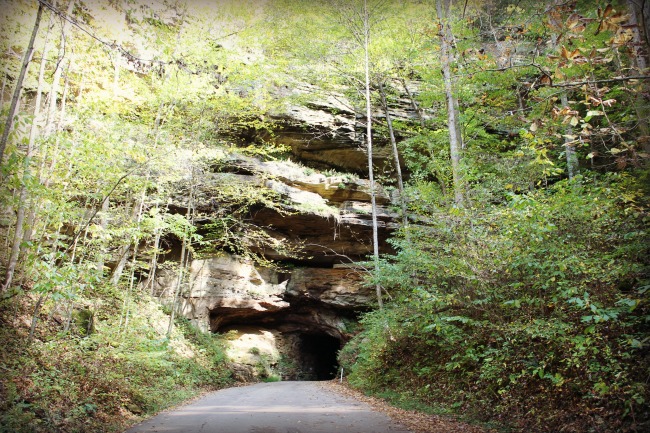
(318, 355)
(293, 344)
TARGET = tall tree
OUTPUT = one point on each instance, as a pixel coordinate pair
(371, 176)
(443, 9)
(18, 89)
(396, 160)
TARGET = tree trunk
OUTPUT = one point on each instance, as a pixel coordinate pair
(46, 175)
(151, 278)
(56, 78)
(39, 91)
(183, 263)
(414, 104)
(123, 256)
(19, 83)
(123, 251)
(398, 167)
(20, 231)
(639, 20)
(569, 147)
(37, 309)
(371, 178)
(103, 223)
(136, 242)
(2, 89)
(29, 224)
(640, 16)
(18, 235)
(453, 124)
(116, 71)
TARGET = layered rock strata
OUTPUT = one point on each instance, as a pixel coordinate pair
(291, 322)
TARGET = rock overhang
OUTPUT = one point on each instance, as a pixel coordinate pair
(326, 217)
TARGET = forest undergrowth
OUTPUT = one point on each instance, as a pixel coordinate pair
(533, 315)
(98, 376)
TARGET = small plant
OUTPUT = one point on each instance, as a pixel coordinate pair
(272, 378)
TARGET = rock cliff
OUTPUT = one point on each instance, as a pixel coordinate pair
(290, 321)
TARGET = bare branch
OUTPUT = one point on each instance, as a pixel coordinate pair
(609, 80)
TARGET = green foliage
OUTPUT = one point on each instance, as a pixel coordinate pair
(529, 306)
(103, 381)
(539, 304)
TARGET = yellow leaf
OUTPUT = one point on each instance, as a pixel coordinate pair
(564, 53)
(573, 21)
(605, 13)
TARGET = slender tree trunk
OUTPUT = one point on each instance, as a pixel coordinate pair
(569, 147)
(129, 292)
(37, 309)
(19, 83)
(29, 224)
(39, 90)
(46, 176)
(103, 222)
(177, 287)
(117, 59)
(398, 167)
(23, 200)
(50, 123)
(371, 178)
(18, 234)
(136, 242)
(183, 262)
(639, 20)
(123, 251)
(151, 278)
(154, 263)
(414, 104)
(2, 89)
(453, 124)
(123, 256)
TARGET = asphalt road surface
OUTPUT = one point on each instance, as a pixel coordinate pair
(277, 407)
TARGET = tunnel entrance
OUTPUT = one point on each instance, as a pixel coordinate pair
(264, 353)
(288, 344)
(317, 356)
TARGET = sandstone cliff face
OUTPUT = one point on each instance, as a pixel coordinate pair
(292, 322)
(271, 318)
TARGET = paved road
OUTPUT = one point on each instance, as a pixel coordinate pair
(278, 407)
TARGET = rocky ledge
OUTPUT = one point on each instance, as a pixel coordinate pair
(290, 321)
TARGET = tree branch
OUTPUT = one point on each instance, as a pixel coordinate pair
(609, 80)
